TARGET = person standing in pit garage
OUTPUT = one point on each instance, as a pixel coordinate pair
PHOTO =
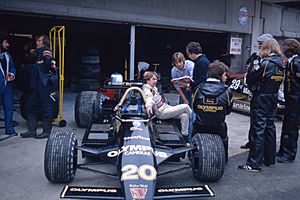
(264, 81)
(156, 105)
(7, 75)
(212, 101)
(43, 78)
(181, 68)
(252, 62)
(194, 52)
(289, 133)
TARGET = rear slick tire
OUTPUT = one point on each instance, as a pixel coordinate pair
(208, 158)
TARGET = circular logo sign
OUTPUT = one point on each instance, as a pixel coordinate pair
(243, 15)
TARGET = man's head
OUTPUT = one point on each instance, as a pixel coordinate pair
(218, 70)
(262, 38)
(193, 49)
(41, 41)
(150, 78)
(178, 60)
(4, 41)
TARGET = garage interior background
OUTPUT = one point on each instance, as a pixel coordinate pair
(102, 29)
(111, 43)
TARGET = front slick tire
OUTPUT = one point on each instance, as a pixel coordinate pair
(60, 159)
(208, 158)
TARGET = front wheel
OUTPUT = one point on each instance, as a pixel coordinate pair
(60, 159)
(208, 158)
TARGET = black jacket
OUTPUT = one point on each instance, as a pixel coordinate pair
(267, 78)
(212, 102)
(200, 70)
(292, 80)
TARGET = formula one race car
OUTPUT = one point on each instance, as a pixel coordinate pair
(137, 145)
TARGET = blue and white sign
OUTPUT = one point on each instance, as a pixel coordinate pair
(243, 15)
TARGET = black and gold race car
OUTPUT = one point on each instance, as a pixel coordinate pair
(121, 133)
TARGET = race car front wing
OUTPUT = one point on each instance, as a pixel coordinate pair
(78, 192)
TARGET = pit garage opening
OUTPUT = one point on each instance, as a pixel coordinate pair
(94, 50)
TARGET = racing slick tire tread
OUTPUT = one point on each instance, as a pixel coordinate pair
(60, 159)
(208, 159)
(84, 107)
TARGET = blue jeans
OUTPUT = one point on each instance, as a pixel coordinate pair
(6, 97)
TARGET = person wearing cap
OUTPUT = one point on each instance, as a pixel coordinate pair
(44, 76)
(253, 62)
(7, 75)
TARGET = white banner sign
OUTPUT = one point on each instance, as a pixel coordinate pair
(235, 46)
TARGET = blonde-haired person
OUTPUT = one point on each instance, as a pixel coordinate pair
(181, 68)
(264, 82)
(156, 104)
(251, 63)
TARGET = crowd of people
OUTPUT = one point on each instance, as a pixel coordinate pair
(205, 99)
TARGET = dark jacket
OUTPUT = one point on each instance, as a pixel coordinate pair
(267, 78)
(212, 102)
(292, 94)
(200, 70)
(292, 80)
(43, 66)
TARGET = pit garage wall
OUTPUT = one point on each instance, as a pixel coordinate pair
(280, 21)
(219, 15)
(204, 15)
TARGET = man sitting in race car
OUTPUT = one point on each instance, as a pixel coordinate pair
(212, 102)
(156, 104)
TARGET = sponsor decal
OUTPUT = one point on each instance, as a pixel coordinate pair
(138, 185)
(96, 190)
(209, 108)
(137, 137)
(241, 106)
(138, 192)
(137, 150)
(133, 128)
(188, 189)
(277, 78)
(79, 192)
(211, 100)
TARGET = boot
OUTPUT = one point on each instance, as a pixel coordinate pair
(47, 127)
(31, 127)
